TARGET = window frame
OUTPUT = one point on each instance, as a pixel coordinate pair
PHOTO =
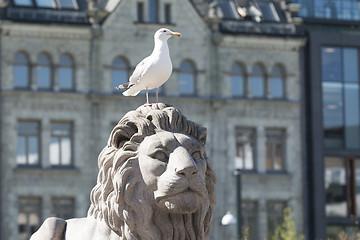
(60, 138)
(234, 74)
(274, 137)
(67, 66)
(252, 132)
(28, 69)
(280, 76)
(192, 72)
(36, 204)
(49, 66)
(57, 209)
(27, 136)
(261, 75)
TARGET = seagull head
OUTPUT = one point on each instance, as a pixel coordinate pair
(164, 34)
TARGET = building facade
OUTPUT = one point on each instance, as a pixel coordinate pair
(237, 71)
(332, 83)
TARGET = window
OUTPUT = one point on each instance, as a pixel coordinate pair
(140, 12)
(340, 87)
(24, 3)
(45, 3)
(275, 211)
(71, 4)
(29, 216)
(245, 149)
(21, 71)
(167, 13)
(257, 81)
(154, 11)
(28, 143)
(334, 9)
(277, 82)
(119, 72)
(61, 144)
(66, 75)
(63, 208)
(187, 78)
(342, 187)
(43, 72)
(275, 149)
(237, 80)
(249, 218)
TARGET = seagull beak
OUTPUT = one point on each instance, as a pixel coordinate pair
(176, 34)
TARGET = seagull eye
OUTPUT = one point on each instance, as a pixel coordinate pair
(164, 31)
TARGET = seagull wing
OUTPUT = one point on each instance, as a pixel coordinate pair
(140, 70)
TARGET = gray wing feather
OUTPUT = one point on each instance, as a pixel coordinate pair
(140, 70)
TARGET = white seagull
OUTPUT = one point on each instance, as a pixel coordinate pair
(154, 70)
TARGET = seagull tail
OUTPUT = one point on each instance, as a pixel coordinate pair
(130, 92)
(124, 86)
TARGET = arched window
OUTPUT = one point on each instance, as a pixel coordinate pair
(154, 11)
(277, 82)
(257, 81)
(119, 72)
(43, 71)
(21, 71)
(187, 78)
(66, 72)
(237, 80)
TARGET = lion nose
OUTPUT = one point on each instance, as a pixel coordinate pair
(184, 164)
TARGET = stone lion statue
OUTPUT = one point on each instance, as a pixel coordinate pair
(155, 182)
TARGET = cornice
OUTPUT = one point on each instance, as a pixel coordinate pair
(40, 31)
(263, 43)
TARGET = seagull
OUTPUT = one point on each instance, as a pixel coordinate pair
(154, 70)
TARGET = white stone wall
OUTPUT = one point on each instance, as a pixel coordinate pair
(92, 108)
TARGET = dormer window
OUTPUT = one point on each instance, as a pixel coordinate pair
(71, 4)
(23, 3)
(45, 3)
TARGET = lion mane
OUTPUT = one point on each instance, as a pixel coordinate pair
(122, 199)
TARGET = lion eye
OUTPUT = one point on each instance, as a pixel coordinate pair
(160, 155)
(196, 156)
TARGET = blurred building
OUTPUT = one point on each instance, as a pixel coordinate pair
(237, 71)
(332, 93)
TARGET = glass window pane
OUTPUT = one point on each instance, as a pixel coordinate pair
(118, 77)
(43, 77)
(351, 65)
(66, 60)
(45, 3)
(333, 231)
(278, 157)
(244, 158)
(21, 58)
(21, 76)
(275, 212)
(257, 86)
(333, 115)
(187, 66)
(65, 78)
(237, 69)
(153, 11)
(33, 150)
(249, 218)
(23, 2)
(21, 150)
(257, 70)
(276, 86)
(60, 129)
(54, 151)
(63, 208)
(140, 12)
(186, 83)
(168, 13)
(67, 4)
(331, 64)
(357, 184)
(119, 63)
(28, 128)
(335, 187)
(352, 121)
(65, 151)
(237, 85)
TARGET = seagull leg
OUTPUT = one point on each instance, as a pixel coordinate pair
(157, 95)
(147, 98)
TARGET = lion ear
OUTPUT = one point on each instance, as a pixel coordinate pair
(121, 134)
(202, 133)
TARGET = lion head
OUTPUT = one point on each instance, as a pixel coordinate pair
(155, 180)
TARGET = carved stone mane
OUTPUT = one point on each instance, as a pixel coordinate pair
(125, 202)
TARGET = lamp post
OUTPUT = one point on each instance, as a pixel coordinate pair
(237, 174)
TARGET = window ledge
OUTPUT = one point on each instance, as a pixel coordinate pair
(155, 24)
(69, 169)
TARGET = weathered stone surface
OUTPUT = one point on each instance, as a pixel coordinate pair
(155, 182)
